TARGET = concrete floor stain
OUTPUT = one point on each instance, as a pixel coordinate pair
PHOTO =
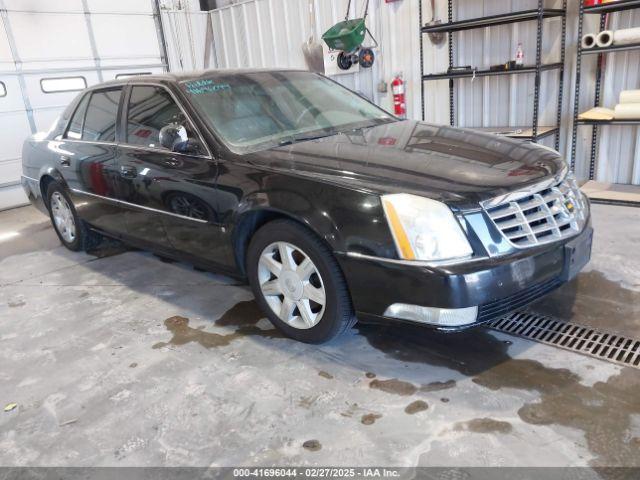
(307, 402)
(603, 412)
(183, 334)
(243, 315)
(468, 352)
(416, 407)
(395, 386)
(437, 386)
(351, 410)
(312, 445)
(370, 418)
(484, 425)
(593, 300)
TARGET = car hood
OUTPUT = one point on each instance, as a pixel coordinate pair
(458, 166)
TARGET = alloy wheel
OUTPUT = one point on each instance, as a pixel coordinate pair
(291, 285)
(63, 217)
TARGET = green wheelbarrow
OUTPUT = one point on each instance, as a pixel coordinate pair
(348, 36)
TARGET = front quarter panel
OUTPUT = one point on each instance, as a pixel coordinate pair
(346, 219)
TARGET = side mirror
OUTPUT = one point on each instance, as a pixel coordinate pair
(172, 135)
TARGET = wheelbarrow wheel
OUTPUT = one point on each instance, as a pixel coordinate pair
(344, 61)
(366, 57)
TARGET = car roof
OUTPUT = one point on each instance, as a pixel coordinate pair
(177, 77)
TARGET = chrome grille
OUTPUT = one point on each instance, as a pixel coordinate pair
(543, 214)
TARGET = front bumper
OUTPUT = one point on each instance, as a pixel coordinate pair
(496, 285)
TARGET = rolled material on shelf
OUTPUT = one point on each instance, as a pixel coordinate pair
(627, 111)
(630, 96)
(588, 40)
(626, 36)
(604, 39)
(597, 113)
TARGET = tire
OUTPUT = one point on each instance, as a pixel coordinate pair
(333, 318)
(344, 61)
(83, 238)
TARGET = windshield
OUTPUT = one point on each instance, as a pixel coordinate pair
(253, 111)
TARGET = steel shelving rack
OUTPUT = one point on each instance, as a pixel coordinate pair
(535, 132)
(602, 10)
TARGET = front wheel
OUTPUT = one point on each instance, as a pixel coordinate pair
(298, 283)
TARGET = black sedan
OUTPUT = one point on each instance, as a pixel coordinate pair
(333, 209)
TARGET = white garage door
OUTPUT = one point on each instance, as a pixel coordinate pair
(51, 50)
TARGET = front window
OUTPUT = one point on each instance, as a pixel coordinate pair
(154, 120)
(253, 111)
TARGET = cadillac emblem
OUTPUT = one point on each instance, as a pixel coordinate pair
(569, 206)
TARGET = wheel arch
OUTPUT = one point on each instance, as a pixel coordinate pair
(251, 221)
(47, 177)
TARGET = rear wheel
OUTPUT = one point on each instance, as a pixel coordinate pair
(72, 232)
(298, 283)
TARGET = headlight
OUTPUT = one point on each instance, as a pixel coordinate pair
(424, 229)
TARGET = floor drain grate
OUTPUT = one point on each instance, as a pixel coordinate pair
(577, 338)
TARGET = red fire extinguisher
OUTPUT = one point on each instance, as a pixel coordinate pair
(399, 105)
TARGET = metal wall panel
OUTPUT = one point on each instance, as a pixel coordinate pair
(185, 33)
(90, 38)
(269, 33)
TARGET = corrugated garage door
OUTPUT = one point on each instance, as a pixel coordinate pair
(50, 50)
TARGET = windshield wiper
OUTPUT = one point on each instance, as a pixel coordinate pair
(303, 138)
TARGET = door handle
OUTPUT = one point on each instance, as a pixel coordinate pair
(65, 161)
(128, 171)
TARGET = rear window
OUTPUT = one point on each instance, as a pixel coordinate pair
(100, 119)
(75, 125)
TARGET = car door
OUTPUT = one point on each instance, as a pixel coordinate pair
(87, 158)
(175, 185)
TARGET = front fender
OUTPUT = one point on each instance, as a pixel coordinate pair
(346, 219)
(293, 205)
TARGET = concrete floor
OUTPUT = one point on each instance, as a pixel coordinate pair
(120, 359)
